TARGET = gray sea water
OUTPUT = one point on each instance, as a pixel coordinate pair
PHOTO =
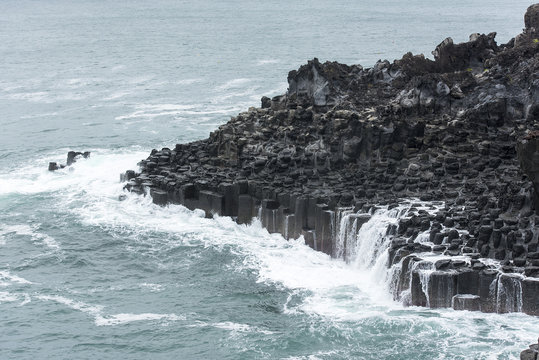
(84, 276)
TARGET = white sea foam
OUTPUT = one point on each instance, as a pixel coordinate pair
(267, 61)
(7, 297)
(27, 230)
(317, 356)
(164, 107)
(156, 110)
(232, 327)
(171, 110)
(236, 327)
(47, 240)
(34, 178)
(117, 68)
(40, 115)
(232, 84)
(49, 97)
(142, 79)
(118, 95)
(319, 285)
(76, 83)
(188, 81)
(27, 299)
(120, 319)
(152, 287)
(336, 289)
(96, 311)
(289, 264)
(6, 279)
(35, 96)
(252, 91)
(279, 89)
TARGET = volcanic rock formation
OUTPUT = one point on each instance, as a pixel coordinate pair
(72, 157)
(346, 142)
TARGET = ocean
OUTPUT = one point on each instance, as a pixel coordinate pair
(85, 276)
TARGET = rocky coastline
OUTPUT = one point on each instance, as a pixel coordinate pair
(447, 147)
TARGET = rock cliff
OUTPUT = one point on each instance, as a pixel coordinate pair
(346, 142)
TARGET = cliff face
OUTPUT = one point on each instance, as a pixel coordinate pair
(528, 155)
(345, 140)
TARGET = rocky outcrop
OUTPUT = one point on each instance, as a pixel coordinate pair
(531, 22)
(530, 354)
(346, 142)
(72, 157)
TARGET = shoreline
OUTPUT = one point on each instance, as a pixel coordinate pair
(345, 142)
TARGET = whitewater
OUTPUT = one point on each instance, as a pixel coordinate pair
(84, 275)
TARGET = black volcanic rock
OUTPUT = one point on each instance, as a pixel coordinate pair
(72, 157)
(531, 18)
(528, 155)
(532, 353)
(348, 138)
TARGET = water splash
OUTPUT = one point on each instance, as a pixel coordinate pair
(342, 221)
(508, 293)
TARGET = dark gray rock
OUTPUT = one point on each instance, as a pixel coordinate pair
(528, 155)
(419, 298)
(159, 197)
(466, 302)
(531, 18)
(349, 137)
(53, 166)
(73, 155)
(530, 296)
(442, 286)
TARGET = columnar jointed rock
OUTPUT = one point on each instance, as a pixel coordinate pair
(345, 139)
(528, 155)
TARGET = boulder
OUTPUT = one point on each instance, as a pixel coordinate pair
(53, 166)
(73, 155)
(531, 18)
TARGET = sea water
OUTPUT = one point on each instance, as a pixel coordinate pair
(85, 276)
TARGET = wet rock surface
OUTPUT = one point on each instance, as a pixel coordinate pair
(344, 141)
(530, 354)
(72, 157)
(528, 155)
